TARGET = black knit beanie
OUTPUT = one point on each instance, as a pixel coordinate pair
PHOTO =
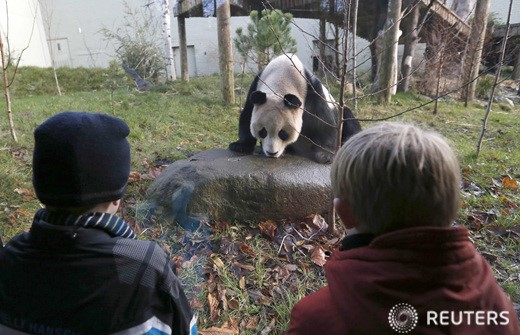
(80, 159)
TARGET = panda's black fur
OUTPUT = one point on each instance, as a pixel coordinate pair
(317, 140)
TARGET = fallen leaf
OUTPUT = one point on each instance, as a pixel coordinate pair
(217, 331)
(196, 304)
(223, 299)
(283, 273)
(510, 182)
(478, 219)
(221, 226)
(507, 202)
(319, 223)
(214, 312)
(268, 228)
(488, 256)
(252, 322)
(309, 247)
(244, 266)
(218, 262)
(27, 194)
(134, 177)
(259, 297)
(242, 283)
(246, 249)
(232, 324)
(233, 304)
(318, 256)
(267, 292)
(24, 212)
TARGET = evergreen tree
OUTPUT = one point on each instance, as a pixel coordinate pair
(268, 35)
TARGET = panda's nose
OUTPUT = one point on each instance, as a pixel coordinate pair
(269, 153)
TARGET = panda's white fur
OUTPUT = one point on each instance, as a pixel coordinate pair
(283, 75)
(287, 106)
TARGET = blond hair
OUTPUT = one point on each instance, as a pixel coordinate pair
(395, 175)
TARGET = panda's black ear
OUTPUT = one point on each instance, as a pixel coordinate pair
(258, 97)
(292, 101)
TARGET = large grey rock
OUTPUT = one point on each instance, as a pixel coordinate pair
(223, 185)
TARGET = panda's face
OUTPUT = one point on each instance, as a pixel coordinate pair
(276, 121)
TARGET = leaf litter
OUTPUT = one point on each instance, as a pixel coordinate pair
(242, 272)
(264, 261)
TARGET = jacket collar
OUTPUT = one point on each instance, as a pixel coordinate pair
(110, 223)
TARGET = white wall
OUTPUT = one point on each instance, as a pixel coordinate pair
(201, 33)
(78, 22)
(21, 22)
(76, 25)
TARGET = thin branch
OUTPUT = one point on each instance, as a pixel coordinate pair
(497, 76)
(25, 48)
(354, 72)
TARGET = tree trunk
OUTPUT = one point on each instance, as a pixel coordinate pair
(321, 46)
(169, 62)
(439, 77)
(474, 53)
(354, 52)
(516, 69)
(6, 91)
(374, 62)
(181, 23)
(225, 51)
(410, 44)
(388, 71)
(497, 77)
(47, 14)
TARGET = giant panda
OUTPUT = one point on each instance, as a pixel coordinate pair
(288, 109)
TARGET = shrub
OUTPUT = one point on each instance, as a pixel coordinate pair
(484, 86)
(137, 43)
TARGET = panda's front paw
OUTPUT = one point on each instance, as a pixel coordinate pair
(323, 157)
(241, 148)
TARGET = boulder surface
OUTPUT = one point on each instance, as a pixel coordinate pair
(222, 185)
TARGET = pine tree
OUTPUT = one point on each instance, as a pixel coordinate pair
(268, 35)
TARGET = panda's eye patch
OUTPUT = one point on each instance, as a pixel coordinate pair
(283, 135)
(262, 133)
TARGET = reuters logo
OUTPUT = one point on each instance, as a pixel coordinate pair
(402, 318)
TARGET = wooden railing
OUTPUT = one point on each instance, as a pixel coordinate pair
(184, 6)
(500, 31)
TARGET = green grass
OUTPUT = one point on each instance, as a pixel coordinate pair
(172, 122)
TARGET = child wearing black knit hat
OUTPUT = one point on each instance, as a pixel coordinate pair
(80, 269)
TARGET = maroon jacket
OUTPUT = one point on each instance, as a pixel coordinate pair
(436, 271)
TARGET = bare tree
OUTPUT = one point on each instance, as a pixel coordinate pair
(169, 63)
(225, 50)
(497, 77)
(7, 84)
(11, 63)
(354, 36)
(136, 43)
(474, 51)
(411, 40)
(47, 13)
(388, 71)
